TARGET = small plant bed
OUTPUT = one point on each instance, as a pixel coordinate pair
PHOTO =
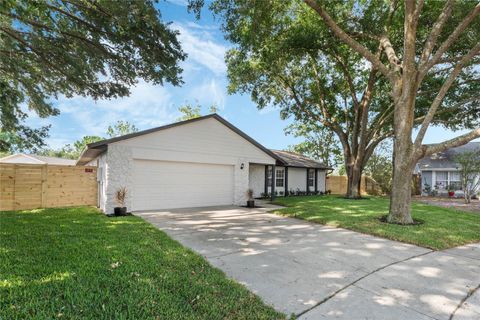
(294, 193)
(75, 263)
(439, 228)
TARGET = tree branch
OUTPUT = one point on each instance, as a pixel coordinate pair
(390, 52)
(342, 35)
(436, 30)
(348, 78)
(430, 149)
(443, 91)
(450, 40)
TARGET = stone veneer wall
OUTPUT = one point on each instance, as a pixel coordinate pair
(240, 182)
(119, 174)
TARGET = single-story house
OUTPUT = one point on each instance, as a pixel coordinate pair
(204, 161)
(21, 158)
(439, 171)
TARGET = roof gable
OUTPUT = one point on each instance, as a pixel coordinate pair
(36, 159)
(21, 158)
(96, 148)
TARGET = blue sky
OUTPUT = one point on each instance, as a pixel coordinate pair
(205, 83)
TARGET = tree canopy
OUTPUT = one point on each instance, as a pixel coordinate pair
(286, 56)
(189, 111)
(121, 128)
(318, 143)
(367, 70)
(418, 47)
(88, 48)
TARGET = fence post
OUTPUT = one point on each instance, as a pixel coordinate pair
(14, 204)
(44, 186)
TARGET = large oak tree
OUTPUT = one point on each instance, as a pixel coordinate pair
(422, 41)
(287, 56)
(77, 47)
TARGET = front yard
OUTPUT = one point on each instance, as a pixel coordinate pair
(76, 263)
(442, 227)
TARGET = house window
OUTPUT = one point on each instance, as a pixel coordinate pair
(454, 180)
(279, 177)
(269, 177)
(311, 178)
(441, 180)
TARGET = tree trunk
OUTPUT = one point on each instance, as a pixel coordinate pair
(468, 197)
(401, 196)
(354, 178)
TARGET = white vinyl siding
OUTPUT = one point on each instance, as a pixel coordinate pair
(297, 179)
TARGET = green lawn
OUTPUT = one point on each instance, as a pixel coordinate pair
(442, 228)
(75, 263)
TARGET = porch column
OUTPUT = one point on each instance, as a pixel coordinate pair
(273, 183)
(266, 180)
(307, 189)
(285, 191)
(316, 180)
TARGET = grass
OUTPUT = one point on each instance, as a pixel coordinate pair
(442, 228)
(75, 263)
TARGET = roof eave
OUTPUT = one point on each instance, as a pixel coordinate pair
(90, 154)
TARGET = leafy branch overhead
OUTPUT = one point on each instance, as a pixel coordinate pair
(417, 40)
(288, 56)
(87, 48)
(367, 71)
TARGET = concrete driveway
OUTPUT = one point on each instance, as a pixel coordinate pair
(319, 272)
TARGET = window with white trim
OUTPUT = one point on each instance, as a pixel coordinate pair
(441, 180)
(279, 177)
(311, 178)
(454, 180)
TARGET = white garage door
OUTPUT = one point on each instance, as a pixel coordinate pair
(167, 185)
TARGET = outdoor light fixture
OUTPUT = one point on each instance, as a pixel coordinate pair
(241, 166)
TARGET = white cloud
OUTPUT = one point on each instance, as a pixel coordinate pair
(209, 92)
(147, 106)
(268, 109)
(182, 3)
(202, 48)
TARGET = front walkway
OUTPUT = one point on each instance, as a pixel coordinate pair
(318, 272)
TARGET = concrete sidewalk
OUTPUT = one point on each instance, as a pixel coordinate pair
(318, 272)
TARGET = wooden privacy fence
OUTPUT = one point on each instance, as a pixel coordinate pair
(25, 186)
(338, 185)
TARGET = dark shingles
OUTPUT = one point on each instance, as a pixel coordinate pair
(445, 159)
(293, 159)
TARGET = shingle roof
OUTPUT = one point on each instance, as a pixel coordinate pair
(54, 160)
(40, 159)
(293, 159)
(445, 159)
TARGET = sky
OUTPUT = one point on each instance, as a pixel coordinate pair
(205, 83)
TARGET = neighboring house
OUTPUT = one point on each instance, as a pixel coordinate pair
(439, 170)
(21, 158)
(199, 162)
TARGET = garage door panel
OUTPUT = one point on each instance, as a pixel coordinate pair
(165, 185)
